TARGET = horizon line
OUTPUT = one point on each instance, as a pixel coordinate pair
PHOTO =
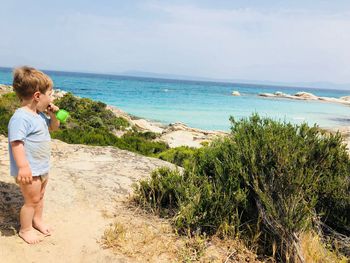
(186, 78)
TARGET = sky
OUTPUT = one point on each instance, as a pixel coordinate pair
(282, 41)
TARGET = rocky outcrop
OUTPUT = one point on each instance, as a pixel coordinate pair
(148, 125)
(346, 98)
(306, 96)
(84, 182)
(178, 134)
(58, 93)
(174, 134)
(5, 89)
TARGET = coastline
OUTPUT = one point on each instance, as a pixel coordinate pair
(178, 134)
(174, 134)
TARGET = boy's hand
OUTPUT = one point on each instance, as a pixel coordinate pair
(24, 172)
(24, 175)
(52, 109)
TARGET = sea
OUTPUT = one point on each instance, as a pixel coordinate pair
(199, 104)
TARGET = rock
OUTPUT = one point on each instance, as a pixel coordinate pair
(84, 181)
(5, 89)
(59, 93)
(178, 134)
(119, 113)
(147, 126)
(306, 95)
(235, 93)
(280, 93)
(346, 98)
(267, 95)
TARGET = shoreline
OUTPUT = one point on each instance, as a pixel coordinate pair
(178, 134)
(174, 134)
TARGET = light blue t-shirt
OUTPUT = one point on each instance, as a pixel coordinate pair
(32, 130)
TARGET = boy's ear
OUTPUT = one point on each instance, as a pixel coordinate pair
(36, 95)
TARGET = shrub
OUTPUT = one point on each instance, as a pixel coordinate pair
(8, 103)
(89, 123)
(267, 183)
(180, 156)
(159, 192)
(137, 142)
(93, 113)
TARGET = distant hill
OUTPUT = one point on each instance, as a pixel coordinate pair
(317, 85)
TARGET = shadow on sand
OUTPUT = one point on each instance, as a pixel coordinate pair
(11, 201)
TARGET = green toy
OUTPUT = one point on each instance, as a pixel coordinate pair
(62, 115)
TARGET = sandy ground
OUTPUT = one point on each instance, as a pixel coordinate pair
(84, 183)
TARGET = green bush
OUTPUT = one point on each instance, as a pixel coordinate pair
(159, 193)
(267, 183)
(85, 135)
(8, 104)
(84, 111)
(92, 124)
(180, 156)
(89, 123)
(140, 143)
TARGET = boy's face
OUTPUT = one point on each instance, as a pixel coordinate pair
(44, 99)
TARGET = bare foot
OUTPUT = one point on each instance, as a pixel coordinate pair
(40, 226)
(30, 236)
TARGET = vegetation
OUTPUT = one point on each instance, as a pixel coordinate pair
(8, 103)
(92, 124)
(89, 123)
(85, 112)
(267, 183)
(180, 156)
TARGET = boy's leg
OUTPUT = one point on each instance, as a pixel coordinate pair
(38, 222)
(31, 194)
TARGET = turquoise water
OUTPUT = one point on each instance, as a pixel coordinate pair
(205, 105)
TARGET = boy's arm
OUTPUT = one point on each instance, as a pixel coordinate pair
(54, 123)
(24, 172)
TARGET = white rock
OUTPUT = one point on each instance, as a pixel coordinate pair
(346, 98)
(306, 95)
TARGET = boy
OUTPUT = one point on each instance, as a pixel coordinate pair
(29, 146)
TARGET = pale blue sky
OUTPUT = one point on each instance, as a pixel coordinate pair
(285, 41)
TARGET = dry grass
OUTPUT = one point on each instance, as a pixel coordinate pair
(193, 248)
(143, 237)
(316, 252)
(114, 235)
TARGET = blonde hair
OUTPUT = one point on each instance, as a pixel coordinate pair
(27, 81)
